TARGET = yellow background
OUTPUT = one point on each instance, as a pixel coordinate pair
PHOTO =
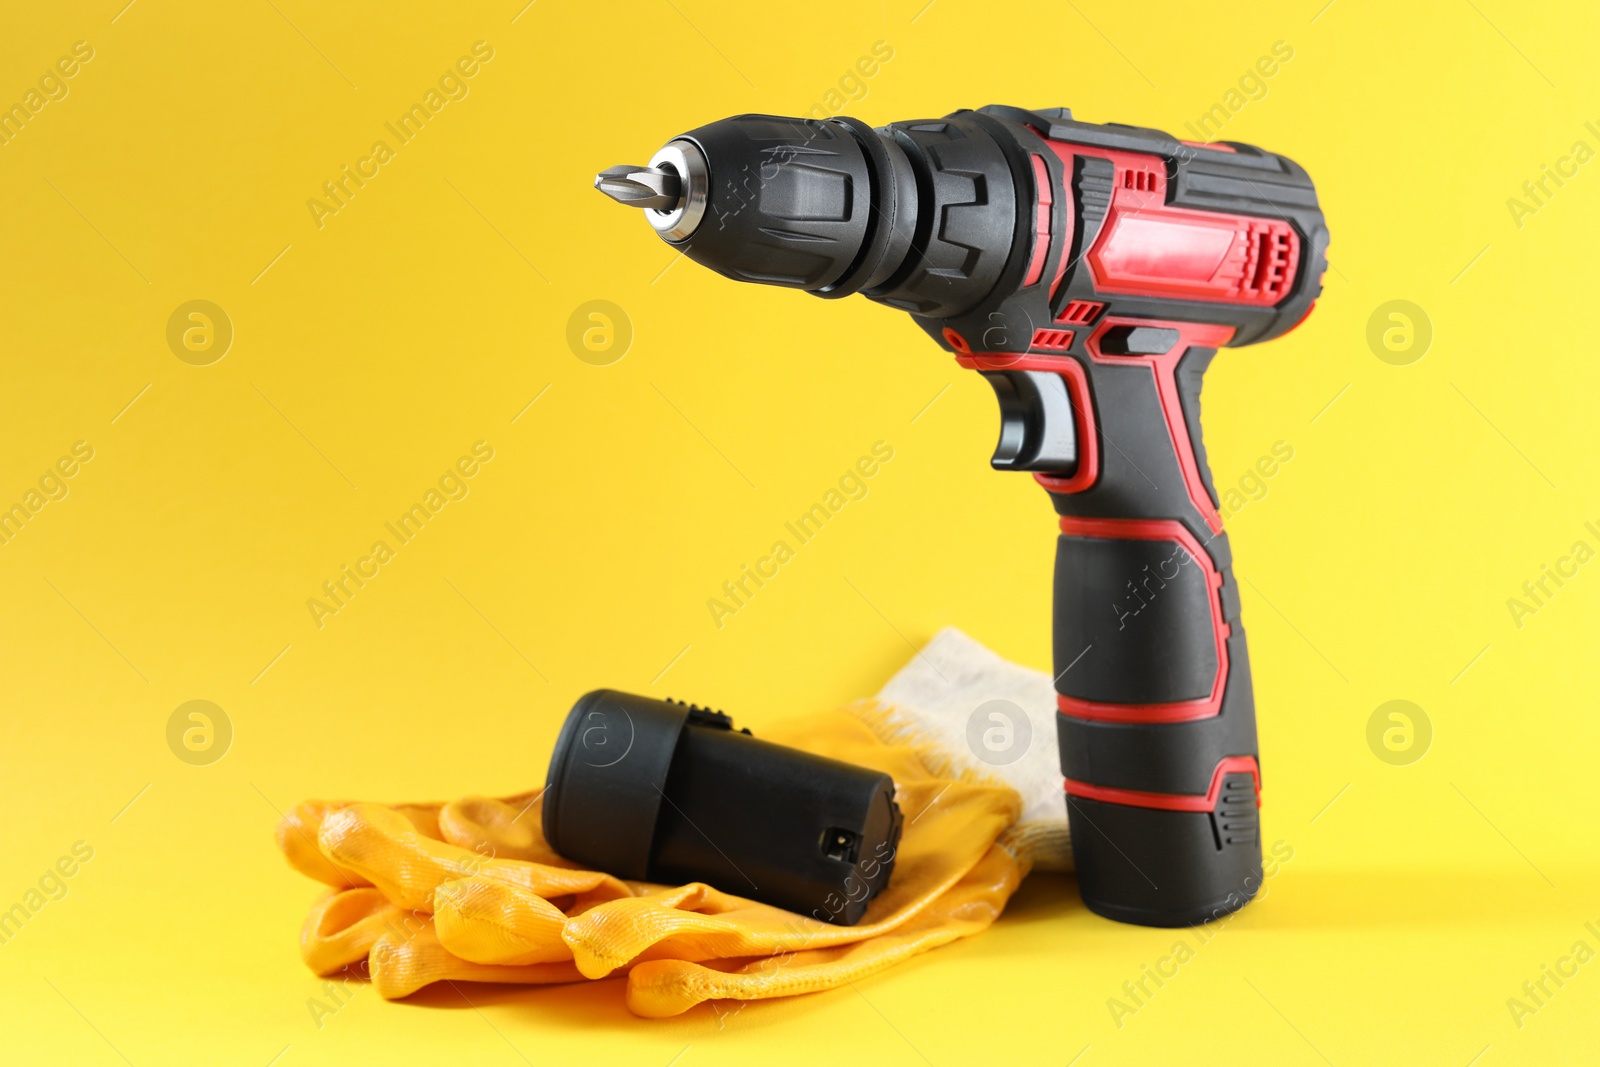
(427, 314)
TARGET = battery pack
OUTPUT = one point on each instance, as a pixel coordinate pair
(661, 791)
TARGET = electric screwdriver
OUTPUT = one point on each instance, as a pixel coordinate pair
(1089, 273)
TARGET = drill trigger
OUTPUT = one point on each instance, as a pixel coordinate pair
(1037, 429)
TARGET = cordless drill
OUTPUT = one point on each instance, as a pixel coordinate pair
(1089, 273)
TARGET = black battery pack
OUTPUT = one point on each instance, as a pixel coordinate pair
(661, 791)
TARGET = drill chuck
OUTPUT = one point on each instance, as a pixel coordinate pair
(919, 216)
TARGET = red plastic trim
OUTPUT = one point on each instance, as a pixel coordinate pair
(1179, 710)
(1217, 146)
(1077, 380)
(1172, 801)
(1041, 221)
(1164, 368)
(1068, 214)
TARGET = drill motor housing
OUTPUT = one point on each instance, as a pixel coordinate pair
(992, 222)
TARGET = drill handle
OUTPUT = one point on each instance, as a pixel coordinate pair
(1155, 714)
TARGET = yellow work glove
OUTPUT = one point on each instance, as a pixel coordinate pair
(470, 890)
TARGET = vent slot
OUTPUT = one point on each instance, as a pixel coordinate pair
(1053, 340)
(1141, 181)
(1270, 262)
(1080, 312)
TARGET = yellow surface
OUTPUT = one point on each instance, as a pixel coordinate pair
(425, 315)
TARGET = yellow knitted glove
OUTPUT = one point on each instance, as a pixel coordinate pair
(470, 891)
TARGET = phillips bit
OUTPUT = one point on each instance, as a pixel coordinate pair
(640, 186)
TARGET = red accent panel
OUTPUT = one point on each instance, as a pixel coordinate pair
(1041, 221)
(1164, 368)
(1167, 257)
(1147, 247)
(1178, 710)
(1173, 801)
(1060, 340)
(1195, 255)
(1077, 381)
(1216, 146)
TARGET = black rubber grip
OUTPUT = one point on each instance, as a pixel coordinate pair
(1157, 719)
(1145, 597)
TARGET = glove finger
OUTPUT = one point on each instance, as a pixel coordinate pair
(510, 829)
(693, 921)
(403, 962)
(297, 833)
(661, 988)
(343, 927)
(383, 847)
(484, 921)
